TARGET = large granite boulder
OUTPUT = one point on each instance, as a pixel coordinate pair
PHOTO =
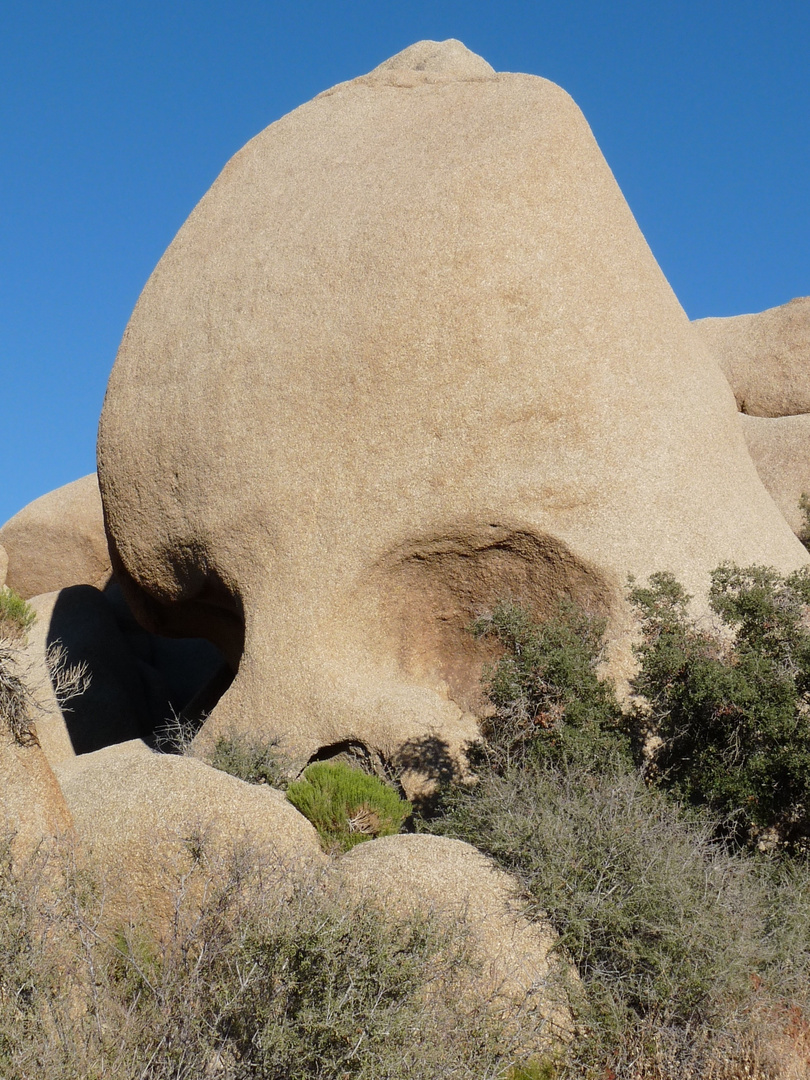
(409, 355)
(58, 540)
(765, 357)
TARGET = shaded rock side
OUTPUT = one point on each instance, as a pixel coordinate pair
(765, 357)
(58, 540)
(132, 683)
(449, 879)
(410, 355)
(150, 822)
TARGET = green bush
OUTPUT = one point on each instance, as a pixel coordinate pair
(730, 705)
(16, 615)
(346, 805)
(549, 702)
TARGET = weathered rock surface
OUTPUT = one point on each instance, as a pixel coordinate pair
(147, 820)
(780, 449)
(765, 357)
(31, 803)
(411, 874)
(3, 566)
(32, 807)
(409, 355)
(58, 540)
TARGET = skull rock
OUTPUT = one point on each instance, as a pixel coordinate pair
(409, 355)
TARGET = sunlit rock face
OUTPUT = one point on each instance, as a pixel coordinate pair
(766, 359)
(411, 354)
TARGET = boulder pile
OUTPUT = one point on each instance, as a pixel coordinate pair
(409, 356)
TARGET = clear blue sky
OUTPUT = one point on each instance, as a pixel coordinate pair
(116, 117)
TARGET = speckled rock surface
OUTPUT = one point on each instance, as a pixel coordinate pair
(58, 540)
(147, 819)
(409, 355)
(765, 357)
(452, 880)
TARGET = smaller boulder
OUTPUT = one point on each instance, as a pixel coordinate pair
(780, 449)
(32, 808)
(58, 540)
(449, 879)
(155, 826)
(765, 357)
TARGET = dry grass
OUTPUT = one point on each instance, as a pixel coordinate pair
(285, 981)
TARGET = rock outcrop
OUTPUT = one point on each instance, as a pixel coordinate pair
(58, 540)
(448, 879)
(409, 355)
(147, 820)
(780, 449)
(765, 357)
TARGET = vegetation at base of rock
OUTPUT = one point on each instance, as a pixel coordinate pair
(347, 805)
(693, 947)
(804, 506)
(287, 981)
(16, 615)
(730, 705)
(251, 758)
(16, 705)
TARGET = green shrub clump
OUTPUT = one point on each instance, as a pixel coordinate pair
(730, 705)
(346, 805)
(16, 615)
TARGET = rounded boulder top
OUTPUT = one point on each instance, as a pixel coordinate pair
(411, 355)
(450, 59)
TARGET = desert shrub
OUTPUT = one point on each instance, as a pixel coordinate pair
(804, 506)
(347, 805)
(271, 979)
(730, 705)
(16, 615)
(16, 705)
(549, 701)
(680, 943)
(251, 758)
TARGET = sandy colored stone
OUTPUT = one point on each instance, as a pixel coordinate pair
(780, 449)
(146, 820)
(453, 881)
(3, 565)
(58, 540)
(409, 355)
(31, 804)
(765, 357)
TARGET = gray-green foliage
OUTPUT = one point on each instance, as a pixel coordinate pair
(251, 758)
(667, 926)
(273, 978)
(347, 805)
(15, 700)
